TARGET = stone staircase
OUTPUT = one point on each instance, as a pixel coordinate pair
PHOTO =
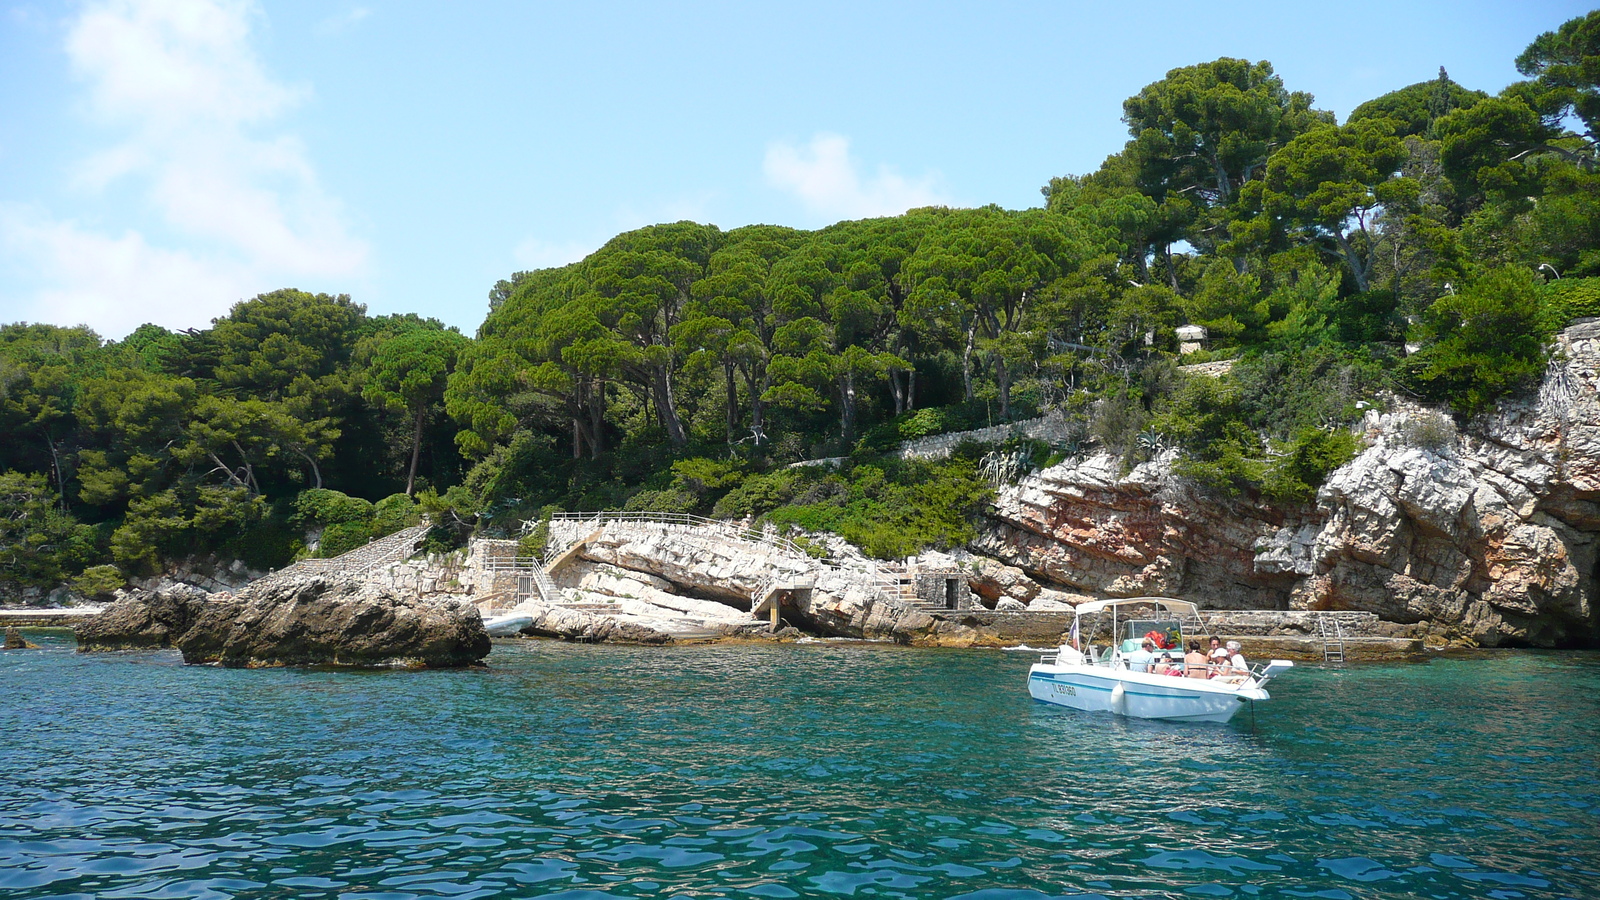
(383, 551)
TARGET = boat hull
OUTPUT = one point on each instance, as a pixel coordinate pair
(1136, 694)
(506, 626)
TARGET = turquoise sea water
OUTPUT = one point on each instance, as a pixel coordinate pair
(785, 771)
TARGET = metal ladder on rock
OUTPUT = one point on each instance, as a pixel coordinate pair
(1331, 631)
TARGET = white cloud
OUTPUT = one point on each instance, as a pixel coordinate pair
(179, 80)
(343, 22)
(117, 283)
(181, 61)
(533, 253)
(828, 181)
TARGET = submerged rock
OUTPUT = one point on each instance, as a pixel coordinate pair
(143, 620)
(319, 620)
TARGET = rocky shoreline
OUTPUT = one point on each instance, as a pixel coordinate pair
(1429, 538)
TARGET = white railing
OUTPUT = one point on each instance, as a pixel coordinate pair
(686, 521)
(531, 568)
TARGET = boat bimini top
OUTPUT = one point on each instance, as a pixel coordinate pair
(1180, 607)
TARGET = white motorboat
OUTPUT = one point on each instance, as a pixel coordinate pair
(506, 626)
(1101, 680)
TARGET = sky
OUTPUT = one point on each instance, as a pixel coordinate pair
(162, 160)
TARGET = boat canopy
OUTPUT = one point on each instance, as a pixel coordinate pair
(1179, 607)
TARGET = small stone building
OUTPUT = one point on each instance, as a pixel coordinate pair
(943, 590)
(1192, 338)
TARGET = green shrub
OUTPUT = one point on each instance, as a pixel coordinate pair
(444, 539)
(342, 537)
(537, 540)
(758, 494)
(671, 500)
(268, 544)
(1567, 299)
(891, 510)
(39, 544)
(1483, 343)
(707, 480)
(393, 513)
(99, 582)
(321, 506)
(1305, 462)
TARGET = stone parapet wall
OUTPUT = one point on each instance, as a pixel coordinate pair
(437, 573)
(1052, 428)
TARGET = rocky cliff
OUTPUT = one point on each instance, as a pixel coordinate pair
(1491, 536)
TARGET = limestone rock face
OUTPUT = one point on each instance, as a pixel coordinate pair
(694, 563)
(1085, 528)
(318, 620)
(589, 627)
(656, 579)
(1492, 537)
(144, 620)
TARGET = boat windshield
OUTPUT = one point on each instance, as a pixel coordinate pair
(1167, 634)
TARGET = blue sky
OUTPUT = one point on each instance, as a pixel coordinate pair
(162, 159)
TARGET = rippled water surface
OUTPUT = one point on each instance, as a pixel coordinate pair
(785, 771)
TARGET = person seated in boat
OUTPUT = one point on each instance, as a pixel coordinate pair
(1141, 659)
(1162, 665)
(1194, 663)
(1217, 656)
(1235, 669)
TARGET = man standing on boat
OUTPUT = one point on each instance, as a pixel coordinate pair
(1141, 659)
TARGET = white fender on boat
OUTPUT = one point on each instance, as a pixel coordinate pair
(1119, 700)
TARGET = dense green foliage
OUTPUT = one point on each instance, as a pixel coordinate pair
(1429, 246)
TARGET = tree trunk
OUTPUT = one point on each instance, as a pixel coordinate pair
(1357, 269)
(416, 451)
(1002, 374)
(1224, 189)
(597, 419)
(55, 463)
(732, 388)
(249, 470)
(847, 406)
(899, 395)
(966, 362)
(316, 470)
(755, 377)
(233, 477)
(911, 388)
(666, 409)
